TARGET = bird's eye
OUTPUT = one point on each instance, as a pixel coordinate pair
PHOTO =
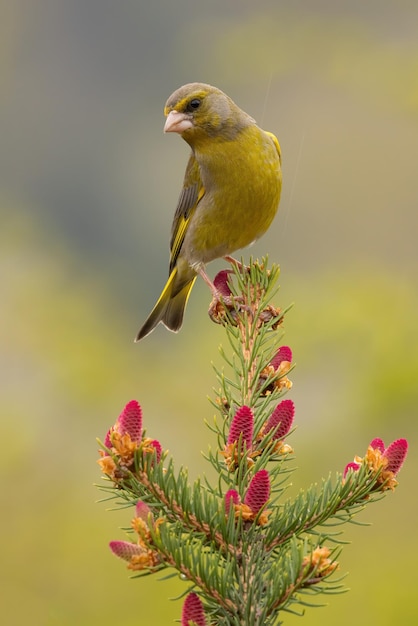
(193, 104)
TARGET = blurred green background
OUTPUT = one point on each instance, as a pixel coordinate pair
(89, 184)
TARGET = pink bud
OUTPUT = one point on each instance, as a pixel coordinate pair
(354, 467)
(158, 449)
(242, 425)
(108, 441)
(130, 421)
(221, 282)
(281, 418)
(125, 549)
(258, 491)
(142, 510)
(231, 498)
(377, 444)
(284, 353)
(193, 611)
(396, 454)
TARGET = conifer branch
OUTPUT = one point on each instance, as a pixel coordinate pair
(248, 555)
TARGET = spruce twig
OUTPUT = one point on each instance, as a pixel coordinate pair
(248, 554)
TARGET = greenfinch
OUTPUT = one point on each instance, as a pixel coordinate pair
(230, 193)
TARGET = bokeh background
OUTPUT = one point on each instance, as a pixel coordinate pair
(89, 185)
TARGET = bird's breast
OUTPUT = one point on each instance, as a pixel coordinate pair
(242, 182)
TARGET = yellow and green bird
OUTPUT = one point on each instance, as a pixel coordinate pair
(230, 193)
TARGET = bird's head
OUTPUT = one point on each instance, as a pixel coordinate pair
(197, 111)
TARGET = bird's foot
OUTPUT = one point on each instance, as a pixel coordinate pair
(232, 261)
(214, 290)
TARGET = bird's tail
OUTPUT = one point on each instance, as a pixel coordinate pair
(170, 306)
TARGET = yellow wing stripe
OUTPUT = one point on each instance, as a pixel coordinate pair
(181, 228)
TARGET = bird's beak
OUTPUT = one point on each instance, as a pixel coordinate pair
(177, 122)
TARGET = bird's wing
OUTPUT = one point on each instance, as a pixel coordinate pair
(191, 194)
(276, 143)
